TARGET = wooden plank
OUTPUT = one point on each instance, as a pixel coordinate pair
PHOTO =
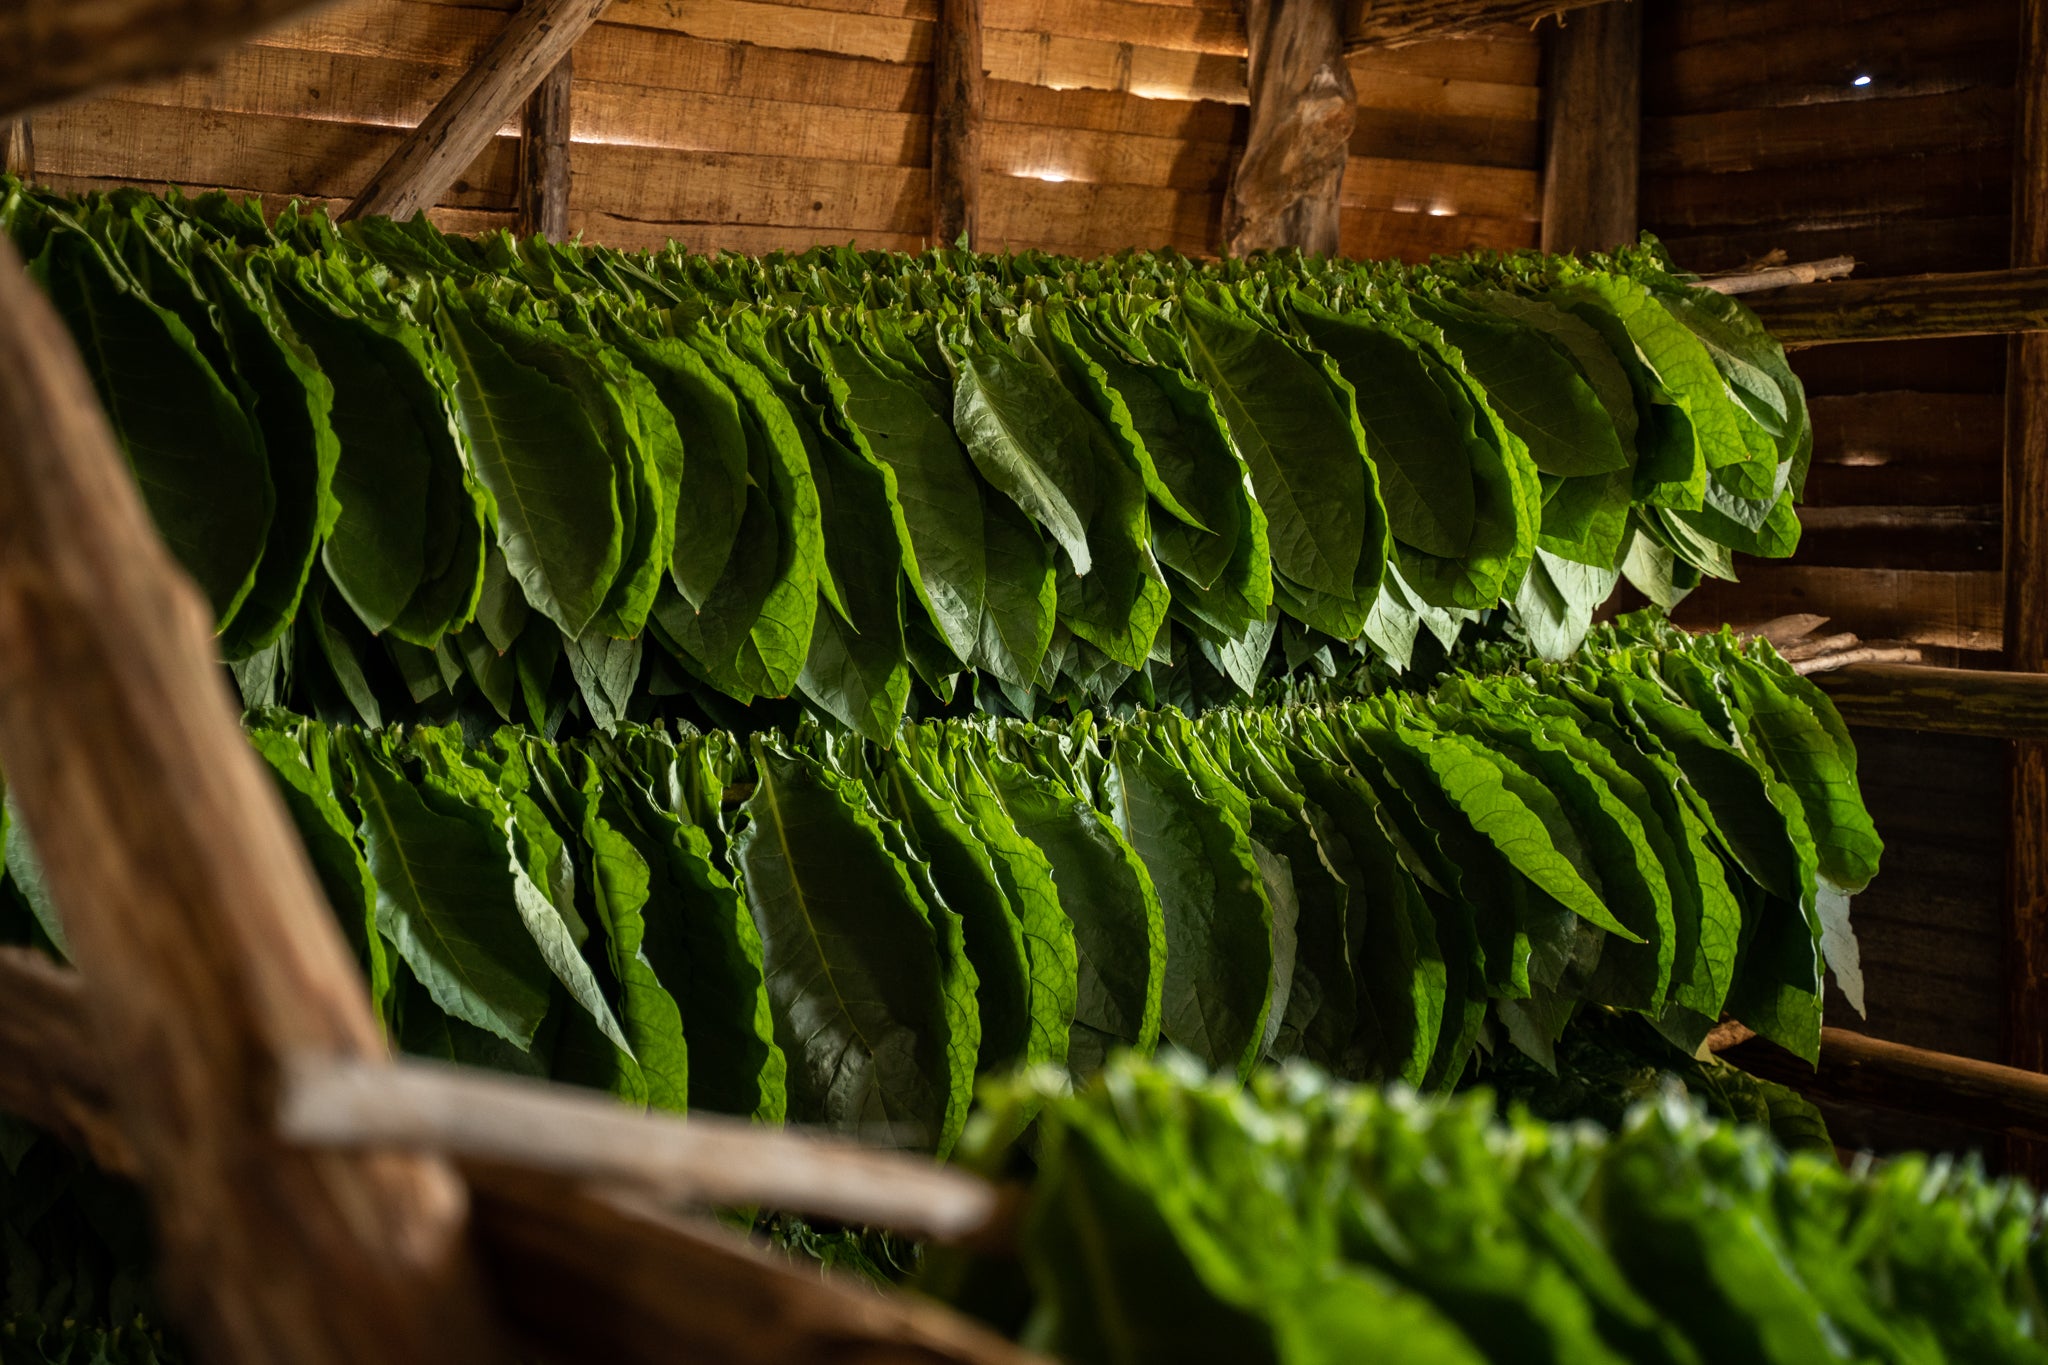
(1443, 190)
(1594, 130)
(305, 157)
(1059, 154)
(1155, 73)
(544, 159)
(1865, 1070)
(1948, 701)
(187, 899)
(1954, 610)
(957, 99)
(1418, 94)
(1965, 304)
(1497, 57)
(2026, 585)
(18, 147)
(750, 239)
(1878, 429)
(1963, 184)
(470, 115)
(1811, 135)
(1395, 23)
(1286, 189)
(832, 198)
(1183, 28)
(1683, 26)
(1400, 133)
(1916, 51)
(1898, 247)
(1378, 235)
(1089, 220)
(55, 52)
(1951, 538)
(1944, 366)
(1112, 111)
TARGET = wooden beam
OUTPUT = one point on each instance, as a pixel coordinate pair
(1857, 1069)
(958, 81)
(1949, 701)
(2026, 585)
(1286, 189)
(544, 156)
(534, 43)
(53, 1077)
(1907, 307)
(52, 50)
(18, 147)
(1778, 276)
(608, 1278)
(188, 902)
(1397, 23)
(709, 1160)
(1593, 116)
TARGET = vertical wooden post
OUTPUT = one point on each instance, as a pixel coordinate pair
(2026, 586)
(957, 80)
(209, 954)
(1593, 96)
(1286, 189)
(544, 165)
(18, 148)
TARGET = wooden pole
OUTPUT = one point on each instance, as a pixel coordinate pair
(18, 148)
(540, 35)
(1397, 23)
(957, 84)
(1908, 307)
(54, 1077)
(1778, 276)
(1285, 191)
(1949, 701)
(1856, 1069)
(2026, 587)
(52, 50)
(190, 907)
(544, 156)
(1594, 116)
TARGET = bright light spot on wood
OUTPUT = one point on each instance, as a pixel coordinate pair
(1049, 177)
(1861, 81)
(1439, 211)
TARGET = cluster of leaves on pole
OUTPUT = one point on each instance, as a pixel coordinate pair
(816, 927)
(411, 470)
(1299, 1220)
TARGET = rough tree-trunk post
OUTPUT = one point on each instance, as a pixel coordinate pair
(1593, 91)
(1285, 191)
(540, 35)
(957, 80)
(18, 148)
(544, 156)
(2026, 586)
(190, 907)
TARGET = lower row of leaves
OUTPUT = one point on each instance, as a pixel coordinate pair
(1178, 1218)
(821, 929)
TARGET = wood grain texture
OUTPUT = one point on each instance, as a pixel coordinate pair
(468, 118)
(1866, 1070)
(190, 906)
(53, 50)
(544, 155)
(594, 1276)
(1594, 129)
(18, 147)
(1974, 303)
(1286, 190)
(958, 81)
(1949, 701)
(1395, 23)
(2026, 586)
(53, 1077)
(1918, 606)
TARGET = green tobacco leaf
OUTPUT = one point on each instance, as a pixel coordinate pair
(849, 955)
(1024, 440)
(534, 448)
(445, 900)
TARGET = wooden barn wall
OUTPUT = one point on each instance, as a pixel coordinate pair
(760, 124)
(1757, 139)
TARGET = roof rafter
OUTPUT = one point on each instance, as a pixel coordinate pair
(1396, 23)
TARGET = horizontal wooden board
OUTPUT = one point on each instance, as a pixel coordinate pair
(1380, 235)
(1903, 247)
(1961, 610)
(277, 156)
(1923, 50)
(1698, 22)
(1183, 28)
(1154, 73)
(1057, 155)
(1432, 188)
(1505, 57)
(1088, 220)
(1810, 135)
(1403, 134)
(633, 234)
(1960, 365)
(659, 185)
(1905, 449)
(1396, 89)
(1964, 184)
(1945, 537)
